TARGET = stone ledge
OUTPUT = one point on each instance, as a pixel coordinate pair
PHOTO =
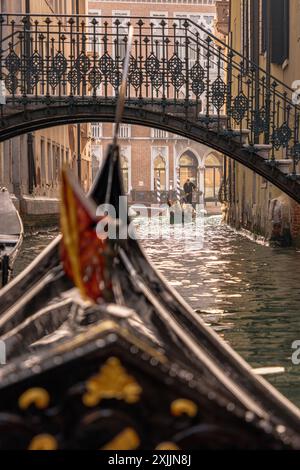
(263, 150)
(39, 206)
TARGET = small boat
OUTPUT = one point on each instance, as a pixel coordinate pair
(11, 236)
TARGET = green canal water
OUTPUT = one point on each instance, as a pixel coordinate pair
(249, 293)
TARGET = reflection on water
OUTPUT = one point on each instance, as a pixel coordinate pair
(248, 292)
(33, 245)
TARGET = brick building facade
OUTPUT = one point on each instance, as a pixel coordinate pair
(149, 155)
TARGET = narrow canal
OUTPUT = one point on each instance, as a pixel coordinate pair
(249, 293)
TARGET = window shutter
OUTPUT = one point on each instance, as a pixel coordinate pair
(280, 31)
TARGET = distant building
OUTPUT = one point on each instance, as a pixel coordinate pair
(149, 155)
(152, 155)
(30, 165)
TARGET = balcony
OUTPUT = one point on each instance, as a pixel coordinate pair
(125, 131)
(159, 134)
(96, 131)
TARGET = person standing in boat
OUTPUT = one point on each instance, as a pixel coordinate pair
(189, 188)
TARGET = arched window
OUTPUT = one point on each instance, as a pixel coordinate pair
(124, 171)
(160, 172)
(213, 177)
(188, 164)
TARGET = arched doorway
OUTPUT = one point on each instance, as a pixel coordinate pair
(188, 166)
(125, 175)
(213, 177)
(160, 172)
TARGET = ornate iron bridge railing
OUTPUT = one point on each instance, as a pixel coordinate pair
(176, 67)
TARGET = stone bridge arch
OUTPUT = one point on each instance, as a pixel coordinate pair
(226, 144)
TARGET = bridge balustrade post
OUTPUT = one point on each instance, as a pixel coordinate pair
(256, 107)
(140, 59)
(187, 74)
(163, 25)
(2, 82)
(287, 117)
(25, 54)
(48, 56)
(208, 103)
(94, 74)
(105, 62)
(229, 90)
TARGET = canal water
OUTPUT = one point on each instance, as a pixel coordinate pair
(248, 292)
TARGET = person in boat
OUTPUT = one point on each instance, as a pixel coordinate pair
(189, 188)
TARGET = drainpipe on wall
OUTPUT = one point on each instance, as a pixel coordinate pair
(31, 164)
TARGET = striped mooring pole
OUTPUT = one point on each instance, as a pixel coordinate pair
(158, 190)
(178, 190)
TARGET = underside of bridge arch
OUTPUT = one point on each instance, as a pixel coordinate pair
(42, 118)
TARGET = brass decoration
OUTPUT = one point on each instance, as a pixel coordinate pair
(112, 381)
(183, 406)
(102, 328)
(167, 446)
(43, 442)
(128, 439)
(34, 396)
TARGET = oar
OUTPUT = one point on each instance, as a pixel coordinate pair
(122, 92)
(113, 151)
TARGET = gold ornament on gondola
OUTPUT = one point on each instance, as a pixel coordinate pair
(39, 397)
(183, 406)
(112, 381)
(43, 442)
(128, 439)
(167, 446)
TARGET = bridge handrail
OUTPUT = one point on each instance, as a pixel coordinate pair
(250, 64)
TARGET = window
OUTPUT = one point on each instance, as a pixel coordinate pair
(62, 157)
(160, 172)
(254, 188)
(213, 176)
(280, 29)
(188, 165)
(43, 162)
(55, 161)
(96, 151)
(49, 158)
(245, 29)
